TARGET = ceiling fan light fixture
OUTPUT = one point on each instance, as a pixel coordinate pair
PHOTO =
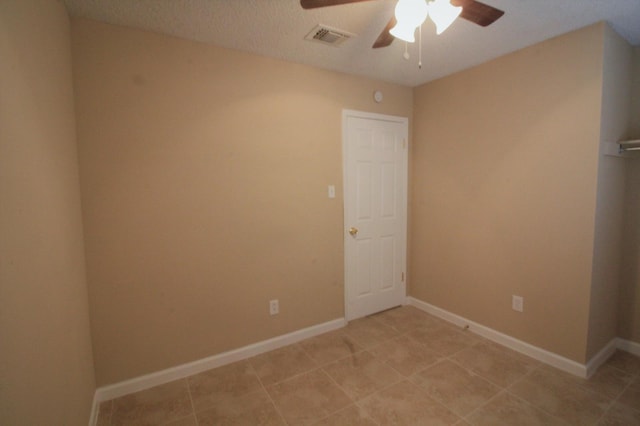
(443, 13)
(403, 32)
(410, 14)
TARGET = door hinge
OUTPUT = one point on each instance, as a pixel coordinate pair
(403, 277)
(404, 143)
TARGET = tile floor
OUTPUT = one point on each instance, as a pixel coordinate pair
(399, 367)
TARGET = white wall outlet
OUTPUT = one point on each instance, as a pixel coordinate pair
(274, 307)
(331, 191)
(517, 303)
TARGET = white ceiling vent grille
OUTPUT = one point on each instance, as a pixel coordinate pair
(328, 35)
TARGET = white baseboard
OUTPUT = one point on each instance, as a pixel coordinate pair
(95, 405)
(185, 370)
(525, 348)
(601, 357)
(628, 346)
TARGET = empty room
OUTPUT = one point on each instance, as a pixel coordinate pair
(319, 212)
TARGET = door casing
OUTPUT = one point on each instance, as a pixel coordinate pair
(349, 315)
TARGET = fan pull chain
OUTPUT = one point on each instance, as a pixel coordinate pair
(420, 48)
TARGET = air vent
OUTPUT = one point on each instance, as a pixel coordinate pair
(328, 35)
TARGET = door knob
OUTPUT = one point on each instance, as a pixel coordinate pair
(353, 231)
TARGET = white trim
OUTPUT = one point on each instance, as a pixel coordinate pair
(349, 113)
(535, 352)
(95, 406)
(373, 116)
(550, 358)
(126, 387)
(628, 346)
(601, 357)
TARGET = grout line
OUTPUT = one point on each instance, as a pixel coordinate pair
(615, 400)
(320, 364)
(295, 376)
(530, 404)
(264, 388)
(193, 406)
(606, 410)
(355, 405)
(610, 403)
(170, 422)
(437, 399)
(470, 371)
(316, 365)
(482, 376)
(378, 324)
(352, 354)
(487, 402)
(354, 400)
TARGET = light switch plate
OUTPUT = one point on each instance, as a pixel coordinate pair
(332, 191)
(517, 303)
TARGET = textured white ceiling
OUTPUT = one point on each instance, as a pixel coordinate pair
(277, 28)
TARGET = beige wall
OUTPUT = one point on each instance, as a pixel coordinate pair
(504, 198)
(46, 371)
(614, 126)
(204, 176)
(629, 306)
(629, 302)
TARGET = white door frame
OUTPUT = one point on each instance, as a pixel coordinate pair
(346, 113)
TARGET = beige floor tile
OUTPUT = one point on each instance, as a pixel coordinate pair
(407, 318)
(506, 409)
(455, 387)
(625, 361)
(233, 380)
(281, 364)
(631, 396)
(405, 355)
(187, 421)
(607, 381)
(620, 415)
(406, 404)
(308, 397)
(253, 409)
(330, 347)
(403, 366)
(532, 363)
(369, 332)
(158, 405)
(444, 339)
(495, 365)
(350, 416)
(361, 374)
(549, 391)
(104, 413)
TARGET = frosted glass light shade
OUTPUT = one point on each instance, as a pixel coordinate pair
(403, 32)
(443, 13)
(410, 14)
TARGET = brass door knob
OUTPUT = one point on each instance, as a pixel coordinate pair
(353, 231)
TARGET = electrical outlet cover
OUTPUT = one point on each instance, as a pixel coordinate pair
(517, 303)
(274, 307)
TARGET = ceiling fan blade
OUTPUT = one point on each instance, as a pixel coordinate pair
(477, 12)
(313, 4)
(385, 38)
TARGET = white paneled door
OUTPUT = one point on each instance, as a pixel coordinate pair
(375, 203)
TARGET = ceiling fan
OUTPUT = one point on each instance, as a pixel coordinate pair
(472, 10)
